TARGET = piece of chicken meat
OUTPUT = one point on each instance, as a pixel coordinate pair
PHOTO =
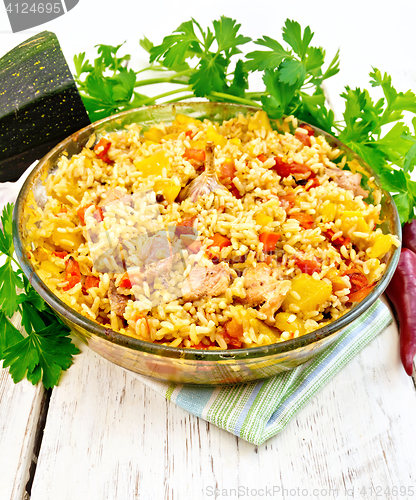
(262, 288)
(117, 302)
(206, 282)
(347, 180)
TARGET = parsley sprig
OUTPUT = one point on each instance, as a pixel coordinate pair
(46, 349)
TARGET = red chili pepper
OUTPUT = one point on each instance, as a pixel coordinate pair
(409, 235)
(125, 281)
(105, 144)
(402, 293)
(308, 266)
(72, 274)
(338, 242)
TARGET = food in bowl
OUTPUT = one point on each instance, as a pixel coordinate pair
(287, 247)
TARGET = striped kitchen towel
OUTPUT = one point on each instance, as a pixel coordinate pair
(258, 410)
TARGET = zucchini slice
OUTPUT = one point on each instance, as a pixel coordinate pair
(39, 103)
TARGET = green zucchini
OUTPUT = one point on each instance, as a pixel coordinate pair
(39, 103)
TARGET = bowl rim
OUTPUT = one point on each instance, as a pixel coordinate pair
(206, 355)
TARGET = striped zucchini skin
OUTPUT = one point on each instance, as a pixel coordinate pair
(39, 103)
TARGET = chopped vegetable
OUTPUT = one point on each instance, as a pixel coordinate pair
(98, 214)
(197, 155)
(61, 255)
(402, 293)
(308, 266)
(269, 241)
(152, 165)
(305, 220)
(72, 274)
(312, 293)
(101, 150)
(219, 241)
(91, 282)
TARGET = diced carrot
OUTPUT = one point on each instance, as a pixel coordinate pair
(192, 247)
(218, 241)
(61, 255)
(233, 328)
(195, 154)
(201, 345)
(305, 220)
(235, 192)
(308, 266)
(72, 273)
(63, 209)
(360, 294)
(189, 133)
(262, 157)
(91, 282)
(269, 241)
(103, 145)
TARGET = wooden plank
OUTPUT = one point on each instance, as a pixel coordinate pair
(109, 436)
(20, 407)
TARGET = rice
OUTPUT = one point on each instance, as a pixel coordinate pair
(289, 247)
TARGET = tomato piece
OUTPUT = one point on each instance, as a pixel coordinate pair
(357, 279)
(98, 214)
(287, 201)
(338, 242)
(313, 184)
(262, 157)
(232, 342)
(305, 220)
(185, 227)
(91, 282)
(61, 255)
(72, 274)
(309, 129)
(227, 171)
(195, 154)
(360, 294)
(285, 169)
(103, 145)
(303, 138)
(235, 192)
(308, 266)
(125, 281)
(218, 241)
(269, 241)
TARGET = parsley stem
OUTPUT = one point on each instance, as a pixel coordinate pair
(234, 98)
(172, 92)
(169, 79)
(181, 98)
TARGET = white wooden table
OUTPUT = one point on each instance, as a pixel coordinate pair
(101, 434)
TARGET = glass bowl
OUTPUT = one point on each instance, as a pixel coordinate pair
(191, 366)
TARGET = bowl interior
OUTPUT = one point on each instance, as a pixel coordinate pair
(33, 192)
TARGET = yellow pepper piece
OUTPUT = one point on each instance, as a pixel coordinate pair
(282, 324)
(153, 134)
(260, 120)
(350, 219)
(50, 267)
(336, 280)
(168, 137)
(168, 188)
(185, 120)
(198, 144)
(272, 334)
(329, 212)
(263, 219)
(236, 141)
(67, 241)
(212, 135)
(152, 165)
(381, 246)
(312, 293)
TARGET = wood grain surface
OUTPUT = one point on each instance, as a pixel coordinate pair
(20, 408)
(108, 436)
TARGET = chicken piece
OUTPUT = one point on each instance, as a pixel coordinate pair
(206, 282)
(117, 302)
(263, 288)
(347, 180)
(114, 195)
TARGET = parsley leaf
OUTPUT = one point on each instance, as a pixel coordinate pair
(9, 334)
(9, 280)
(292, 34)
(6, 233)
